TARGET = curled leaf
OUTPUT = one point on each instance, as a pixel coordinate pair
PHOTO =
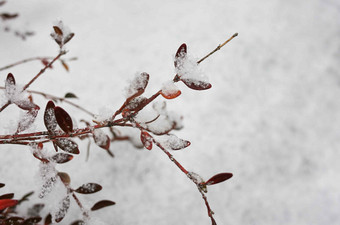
(88, 188)
(61, 158)
(146, 140)
(63, 119)
(196, 84)
(218, 178)
(5, 203)
(102, 204)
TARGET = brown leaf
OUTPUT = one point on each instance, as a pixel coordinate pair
(49, 118)
(61, 158)
(146, 140)
(180, 54)
(65, 178)
(78, 222)
(7, 16)
(2, 185)
(88, 188)
(7, 196)
(65, 65)
(63, 119)
(196, 84)
(68, 38)
(102, 204)
(67, 145)
(48, 219)
(32, 220)
(70, 95)
(57, 30)
(218, 178)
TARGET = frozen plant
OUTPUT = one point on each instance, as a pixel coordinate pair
(61, 133)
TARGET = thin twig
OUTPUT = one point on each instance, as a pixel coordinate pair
(217, 48)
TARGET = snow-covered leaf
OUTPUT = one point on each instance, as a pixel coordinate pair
(27, 119)
(176, 143)
(10, 87)
(67, 145)
(88, 188)
(196, 84)
(180, 54)
(170, 90)
(146, 140)
(61, 158)
(49, 117)
(137, 85)
(63, 208)
(101, 139)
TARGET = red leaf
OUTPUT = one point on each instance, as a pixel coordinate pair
(88, 188)
(196, 85)
(63, 119)
(218, 178)
(46, 63)
(67, 145)
(5, 203)
(49, 118)
(180, 54)
(61, 158)
(63, 208)
(102, 204)
(146, 140)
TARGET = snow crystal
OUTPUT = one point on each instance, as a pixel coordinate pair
(138, 82)
(187, 68)
(169, 88)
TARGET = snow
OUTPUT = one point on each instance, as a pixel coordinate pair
(271, 117)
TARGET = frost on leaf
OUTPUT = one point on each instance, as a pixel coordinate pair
(61, 158)
(175, 143)
(67, 145)
(137, 85)
(10, 87)
(180, 54)
(61, 34)
(27, 119)
(49, 178)
(88, 188)
(63, 208)
(49, 118)
(189, 72)
(170, 90)
(146, 140)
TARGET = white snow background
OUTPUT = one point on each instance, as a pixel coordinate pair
(271, 117)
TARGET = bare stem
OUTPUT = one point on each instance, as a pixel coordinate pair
(22, 62)
(217, 48)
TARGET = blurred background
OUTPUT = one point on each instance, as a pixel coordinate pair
(271, 118)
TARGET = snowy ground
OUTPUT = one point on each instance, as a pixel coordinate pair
(271, 118)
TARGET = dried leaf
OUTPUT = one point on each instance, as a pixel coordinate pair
(65, 178)
(146, 140)
(196, 84)
(218, 178)
(67, 145)
(180, 54)
(7, 196)
(63, 208)
(63, 63)
(70, 95)
(63, 119)
(88, 188)
(5, 203)
(57, 30)
(61, 158)
(102, 204)
(49, 118)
